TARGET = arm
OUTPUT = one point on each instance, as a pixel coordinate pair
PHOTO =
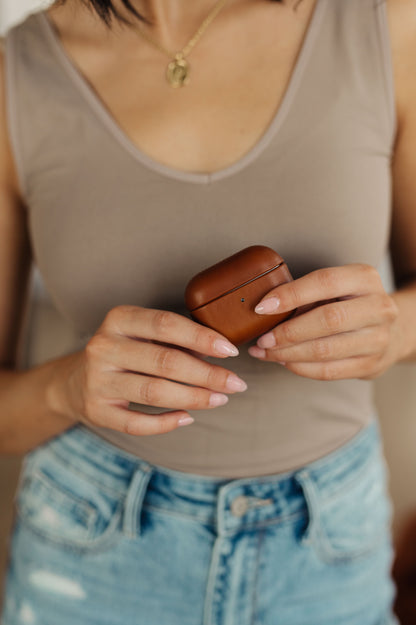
(358, 330)
(131, 358)
(26, 419)
(402, 19)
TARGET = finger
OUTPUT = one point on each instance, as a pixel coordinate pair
(153, 391)
(343, 316)
(302, 309)
(171, 363)
(168, 327)
(365, 342)
(360, 367)
(192, 352)
(139, 423)
(331, 282)
(335, 369)
(184, 349)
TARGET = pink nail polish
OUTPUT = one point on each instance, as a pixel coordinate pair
(185, 421)
(225, 348)
(257, 352)
(217, 399)
(234, 383)
(269, 305)
(267, 340)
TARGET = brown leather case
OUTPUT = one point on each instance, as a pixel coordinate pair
(223, 296)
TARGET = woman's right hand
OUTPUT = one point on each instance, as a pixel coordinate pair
(143, 355)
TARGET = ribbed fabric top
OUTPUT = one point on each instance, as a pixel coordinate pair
(109, 225)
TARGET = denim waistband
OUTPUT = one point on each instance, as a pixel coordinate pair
(228, 504)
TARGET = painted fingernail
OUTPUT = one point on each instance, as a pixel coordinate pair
(267, 340)
(218, 399)
(257, 352)
(185, 421)
(225, 348)
(234, 383)
(269, 305)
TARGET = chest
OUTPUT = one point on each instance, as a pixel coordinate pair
(239, 74)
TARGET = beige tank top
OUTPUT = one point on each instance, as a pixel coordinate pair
(111, 226)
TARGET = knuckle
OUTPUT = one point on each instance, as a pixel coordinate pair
(288, 332)
(216, 377)
(163, 322)
(334, 316)
(328, 280)
(150, 392)
(391, 308)
(114, 315)
(166, 361)
(197, 398)
(117, 317)
(328, 372)
(371, 273)
(96, 346)
(130, 425)
(200, 339)
(322, 350)
(289, 296)
(373, 364)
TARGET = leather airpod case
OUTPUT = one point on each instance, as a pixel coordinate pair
(223, 296)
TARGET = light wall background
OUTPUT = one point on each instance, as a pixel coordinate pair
(12, 11)
(48, 336)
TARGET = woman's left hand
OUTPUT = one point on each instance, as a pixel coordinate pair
(346, 325)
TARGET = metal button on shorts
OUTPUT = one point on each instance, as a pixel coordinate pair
(239, 505)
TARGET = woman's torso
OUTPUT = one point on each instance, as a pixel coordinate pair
(123, 206)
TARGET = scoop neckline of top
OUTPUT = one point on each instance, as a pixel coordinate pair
(109, 121)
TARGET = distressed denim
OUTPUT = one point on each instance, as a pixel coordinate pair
(101, 537)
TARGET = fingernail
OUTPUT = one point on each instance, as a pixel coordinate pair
(267, 340)
(225, 348)
(268, 305)
(257, 352)
(218, 399)
(234, 383)
(185, 421)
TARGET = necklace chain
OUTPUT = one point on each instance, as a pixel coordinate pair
(178, 68)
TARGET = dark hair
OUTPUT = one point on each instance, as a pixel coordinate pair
(106, 10)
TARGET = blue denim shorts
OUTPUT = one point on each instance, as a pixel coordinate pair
(101, 537)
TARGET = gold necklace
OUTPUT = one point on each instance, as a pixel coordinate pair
(177, 72)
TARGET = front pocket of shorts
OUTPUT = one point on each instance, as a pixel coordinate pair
(355, 520)
(64, 508)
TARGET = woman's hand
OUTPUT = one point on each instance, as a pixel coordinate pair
(346, 325)
(145, 356)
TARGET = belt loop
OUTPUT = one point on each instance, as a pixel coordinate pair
(134, 500)
(305, 481)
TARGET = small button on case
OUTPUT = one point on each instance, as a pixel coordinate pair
(223, 296)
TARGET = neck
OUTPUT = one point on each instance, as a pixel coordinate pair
(174, 18)
(174, 22)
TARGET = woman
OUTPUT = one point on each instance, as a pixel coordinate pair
(134, 156)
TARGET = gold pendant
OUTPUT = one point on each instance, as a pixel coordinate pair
(177, 72)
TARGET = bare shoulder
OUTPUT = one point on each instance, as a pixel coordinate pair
(402, 20)
(402, 26)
